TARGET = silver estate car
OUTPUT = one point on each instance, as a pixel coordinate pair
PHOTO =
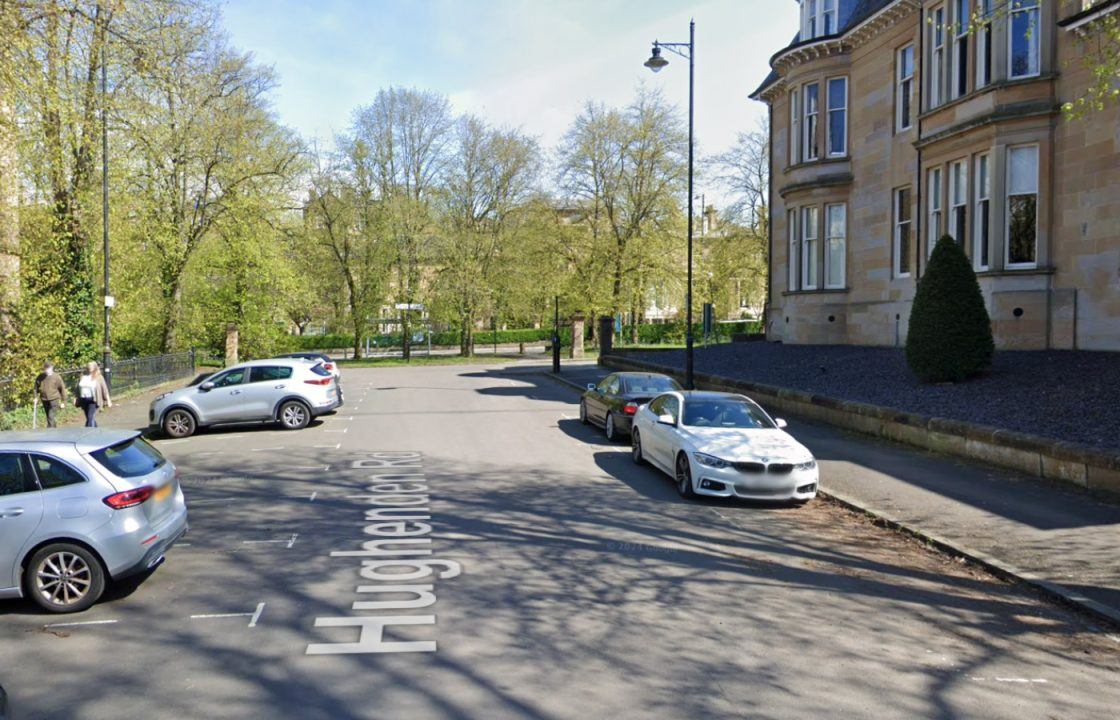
(80, 507)
(288, 391)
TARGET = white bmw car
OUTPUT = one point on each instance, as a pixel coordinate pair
(723, 445)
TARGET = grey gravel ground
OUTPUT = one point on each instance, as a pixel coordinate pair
(1068, 395)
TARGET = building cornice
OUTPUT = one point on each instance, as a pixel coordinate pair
(821, 181)
(840, 44)
(1015, 111)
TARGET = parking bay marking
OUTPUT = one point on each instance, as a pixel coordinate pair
(290, 541)
(254, 616)
(84, 622)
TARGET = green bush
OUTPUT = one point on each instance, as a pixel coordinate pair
(950, 336)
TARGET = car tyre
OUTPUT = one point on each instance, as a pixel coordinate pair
(64, 578)
(294, 415)
(636, 448)
(684, 477)
(583, 412)
(609, 429)
(179, 423)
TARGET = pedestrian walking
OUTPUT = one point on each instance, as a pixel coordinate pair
(51, 391)
(93, 393)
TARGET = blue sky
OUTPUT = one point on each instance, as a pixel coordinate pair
(530, 64)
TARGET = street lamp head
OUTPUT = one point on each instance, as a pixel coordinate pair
(656, 62)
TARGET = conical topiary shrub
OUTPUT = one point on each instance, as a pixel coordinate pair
(950, 336)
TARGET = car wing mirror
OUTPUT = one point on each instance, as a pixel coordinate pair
(666, 420)
(206, 386)
(782, 424)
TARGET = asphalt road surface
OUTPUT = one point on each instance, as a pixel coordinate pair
(543, 575)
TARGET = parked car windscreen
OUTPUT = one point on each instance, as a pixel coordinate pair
(132, 458)
(723, 413)
(653, 385)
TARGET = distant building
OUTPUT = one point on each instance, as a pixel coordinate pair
(894, 122)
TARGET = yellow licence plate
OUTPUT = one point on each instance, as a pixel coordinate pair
(163, 493)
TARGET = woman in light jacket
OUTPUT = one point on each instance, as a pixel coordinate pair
(93, 393)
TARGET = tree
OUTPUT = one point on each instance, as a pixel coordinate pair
(490, 176)
(201, 138)
(950, 335)
(623, 172)
(398, 148)
(1100, 47)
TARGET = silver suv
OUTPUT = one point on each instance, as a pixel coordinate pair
(288, 391)
(80, 507)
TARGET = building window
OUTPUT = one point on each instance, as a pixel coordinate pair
(809, 235)
(838, 117)
(794, 129)
(933, 227)
(904, 88)
(958, 201)
(828, 9)
(810, 145)
(937, 55)
(984, 44)
(961, 29)
(1023, 39)
(794, 264)
(1022, 206)
(835, 245)
(818, 18)
(902, 233)
(982, 229)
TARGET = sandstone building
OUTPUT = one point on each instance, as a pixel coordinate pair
(897, 121)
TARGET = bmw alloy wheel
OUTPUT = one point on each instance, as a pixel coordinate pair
(684, 477)
(612, 433)
(636, 447)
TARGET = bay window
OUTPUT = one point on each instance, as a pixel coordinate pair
(958, 201)
(1024, 35)
(1022, 206)
(984, 43)
(794, 260)
(835, 245)
(810, 145)
(837, 117)
(983, 214)
(933, 226)
(961, 29)
(794, 129)
(809, 241)
(936, 56)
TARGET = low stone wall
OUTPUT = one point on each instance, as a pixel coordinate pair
(1030, 454)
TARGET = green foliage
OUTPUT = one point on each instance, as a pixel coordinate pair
(950, 335)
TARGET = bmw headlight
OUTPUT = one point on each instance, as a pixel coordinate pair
(809, 465)
(710, 460)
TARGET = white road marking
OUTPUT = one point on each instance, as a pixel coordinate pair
(207, 452)
(313, 495)
(272, 449)
(337, 431)
(565, 416)
(336, 446)
(257, 615)
(1012, 680)
(174, 442)
(290, 541)
(86, 622)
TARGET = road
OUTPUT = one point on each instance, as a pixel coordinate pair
(575, 585)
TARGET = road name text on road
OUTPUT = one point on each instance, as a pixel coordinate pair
(397, 557)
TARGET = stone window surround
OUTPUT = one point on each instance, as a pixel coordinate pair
(821, 203)
(1001, 56)
(996, 150)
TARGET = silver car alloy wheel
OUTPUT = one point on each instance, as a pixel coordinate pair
(636, 447)
(178, 423)
(293, 415)
(63, 578)
(611, 433)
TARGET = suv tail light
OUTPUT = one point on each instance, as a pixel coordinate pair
(329, 366)
(320, 381)
(630, 408)
(128, 498)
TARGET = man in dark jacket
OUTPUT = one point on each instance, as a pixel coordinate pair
(52, 391)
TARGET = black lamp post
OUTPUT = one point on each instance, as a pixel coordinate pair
(107, 353)
(655, 63)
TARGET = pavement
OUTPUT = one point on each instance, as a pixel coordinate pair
(1056, 537)
(541, 575)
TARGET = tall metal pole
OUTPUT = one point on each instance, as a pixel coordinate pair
(688, 375)
(107, 357)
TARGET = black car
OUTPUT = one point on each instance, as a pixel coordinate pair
(613, 402)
